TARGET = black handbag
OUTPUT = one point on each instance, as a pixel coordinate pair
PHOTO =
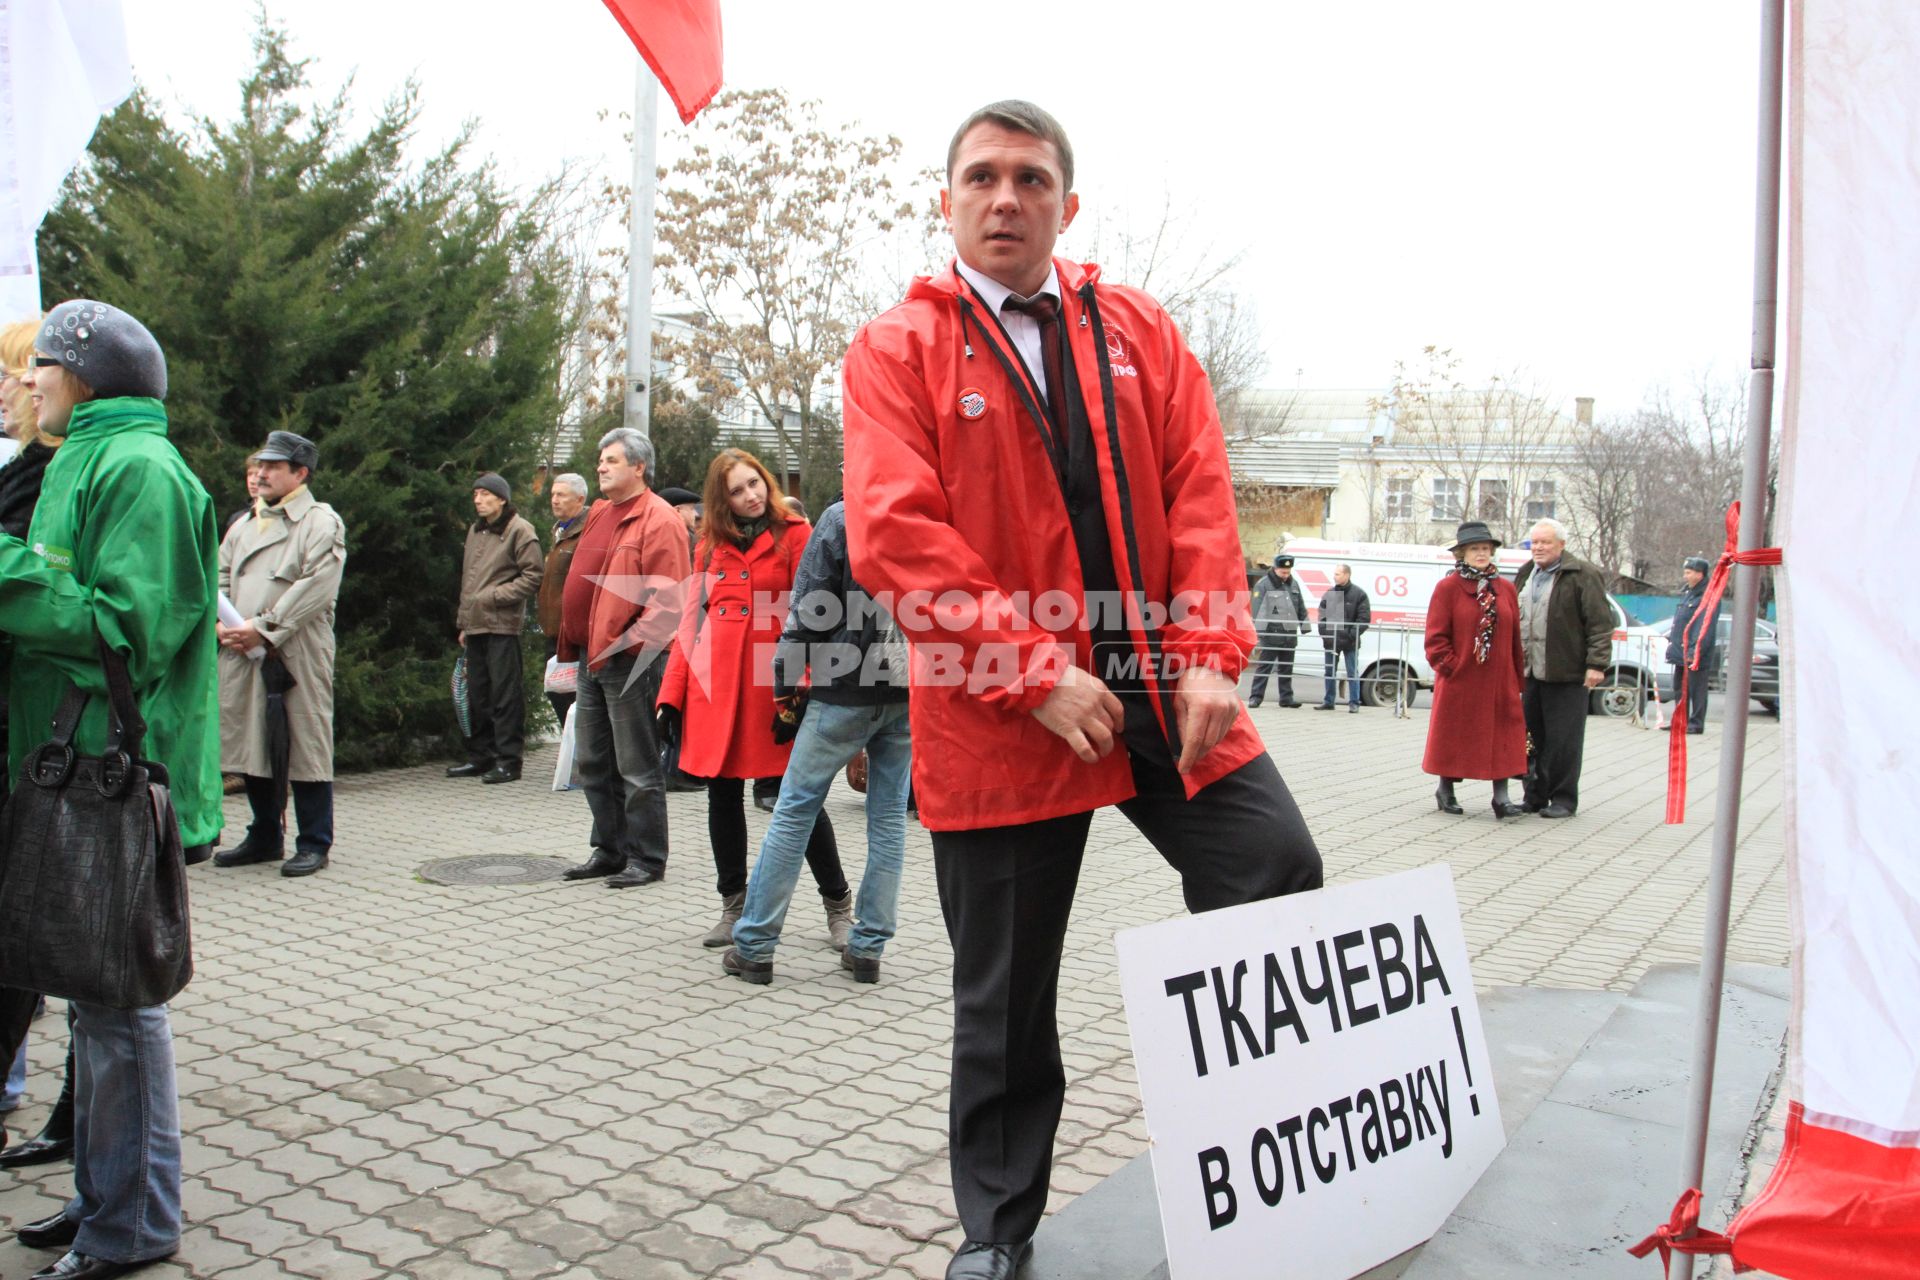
(93, 880)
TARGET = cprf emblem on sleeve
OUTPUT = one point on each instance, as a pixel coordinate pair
(1314, 1074)
(972, 403)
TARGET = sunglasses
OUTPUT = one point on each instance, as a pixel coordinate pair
(45, 362)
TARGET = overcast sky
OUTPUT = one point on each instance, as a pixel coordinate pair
(1563, 188)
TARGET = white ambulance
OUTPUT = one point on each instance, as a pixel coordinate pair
(1399, 580)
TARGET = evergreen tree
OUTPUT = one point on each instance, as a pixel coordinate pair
(407, 317)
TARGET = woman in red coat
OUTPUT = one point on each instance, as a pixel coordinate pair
(719, 679)
(1473, 643)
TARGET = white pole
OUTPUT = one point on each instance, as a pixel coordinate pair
(1746, 604)
(640, 249)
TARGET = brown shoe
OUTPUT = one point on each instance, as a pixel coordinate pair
(863, 968)
(722, 933)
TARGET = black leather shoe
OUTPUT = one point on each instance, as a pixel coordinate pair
(863, 968)
(502, 772)
(248, 852)
(468, 770)
(1354, 710)
(977, 1260)
(1323, 706)
(1290, 704)
(1556, 810)
(1507, 809)
(601, 863)
(305, 863)
(1253, 702)
(56, 1232)
(1444, 801)
(758, 972)
(78, 1266)
(634, 876)
(42, 1150)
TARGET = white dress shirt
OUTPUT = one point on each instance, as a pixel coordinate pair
(1021, 327)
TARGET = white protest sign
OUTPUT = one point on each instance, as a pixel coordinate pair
(1314, 1074)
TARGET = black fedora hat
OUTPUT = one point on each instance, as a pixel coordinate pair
(1471, 532)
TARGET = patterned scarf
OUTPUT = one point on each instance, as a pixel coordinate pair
(1482, 580)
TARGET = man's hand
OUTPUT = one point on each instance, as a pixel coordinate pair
(1594, 678)
(1204, 708)
(240, 639)
(1084, 711)
(463, 639)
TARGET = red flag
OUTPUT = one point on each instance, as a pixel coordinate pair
(680, 39)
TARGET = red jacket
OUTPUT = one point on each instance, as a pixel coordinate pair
(951, 495)
(1477, 729)
(642, 581)
(724, 690)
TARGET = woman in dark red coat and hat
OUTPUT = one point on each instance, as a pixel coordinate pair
(1473, 643)
(719, 678)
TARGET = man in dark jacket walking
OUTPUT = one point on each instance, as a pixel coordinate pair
(1345, 614)
(500, 573)
(1280, 619)
(1689, 638)
(857, 702)
(1566, 638)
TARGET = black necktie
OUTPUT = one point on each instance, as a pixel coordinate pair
(1045, 310)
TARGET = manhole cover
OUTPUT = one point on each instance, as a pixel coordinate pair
(491, 869)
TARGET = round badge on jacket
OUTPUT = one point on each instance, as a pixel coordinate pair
(972, 403)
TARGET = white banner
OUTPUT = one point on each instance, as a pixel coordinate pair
(1314, 1074)
(63, 63)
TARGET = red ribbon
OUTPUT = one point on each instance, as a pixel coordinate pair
(1695, 632)
(1682, 1234)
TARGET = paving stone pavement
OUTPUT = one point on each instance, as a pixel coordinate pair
(385, 1077)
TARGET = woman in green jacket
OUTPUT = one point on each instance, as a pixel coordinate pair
(122, 546)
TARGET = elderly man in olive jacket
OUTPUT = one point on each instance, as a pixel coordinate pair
(501, 572)
(1566, 639)
(280, 566)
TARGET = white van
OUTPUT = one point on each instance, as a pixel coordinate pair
(1399, 579)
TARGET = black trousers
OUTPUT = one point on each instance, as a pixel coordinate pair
(496, 700)
(1697, 682)
(1007, 893)
(312, 814)
(1556, 714)
(1274, 658)
(727, 828)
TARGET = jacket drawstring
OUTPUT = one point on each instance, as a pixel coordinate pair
(966, 308)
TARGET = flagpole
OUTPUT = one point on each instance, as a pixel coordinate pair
(1746, 605)
(640, 249)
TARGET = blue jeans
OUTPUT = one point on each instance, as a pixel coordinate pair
(126, 1136)
(1352, 657)
(830, 736)
(15, 1090)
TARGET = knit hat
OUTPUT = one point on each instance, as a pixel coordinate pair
(494, 484)
(105, 348)
(285, 446)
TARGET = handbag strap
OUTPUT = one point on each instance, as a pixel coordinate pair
(126, 729)
(67, 718)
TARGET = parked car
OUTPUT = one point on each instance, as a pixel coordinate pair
(1651, 642)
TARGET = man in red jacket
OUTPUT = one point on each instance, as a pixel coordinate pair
(618, 609)
(1037, 481)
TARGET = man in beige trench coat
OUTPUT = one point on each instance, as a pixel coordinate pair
(280, 567)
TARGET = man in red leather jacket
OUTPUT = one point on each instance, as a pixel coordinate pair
(1037, 482)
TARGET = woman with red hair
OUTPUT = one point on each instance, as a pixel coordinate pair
(719, 680)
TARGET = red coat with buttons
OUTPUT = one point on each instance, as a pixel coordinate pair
(951, 497)
(720, 672)
(1477, 729)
